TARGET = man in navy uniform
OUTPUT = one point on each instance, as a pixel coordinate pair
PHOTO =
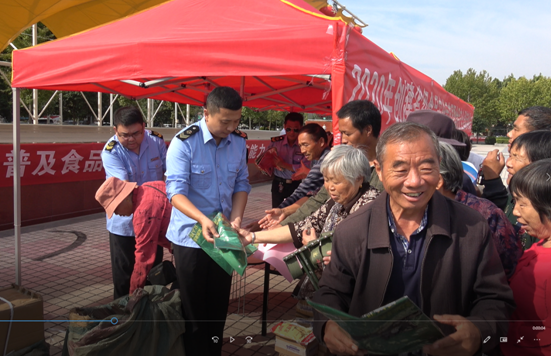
(133, 154)
(288, 160)
(206, 174)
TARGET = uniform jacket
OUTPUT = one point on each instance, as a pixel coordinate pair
(147, 166)
(461, 271)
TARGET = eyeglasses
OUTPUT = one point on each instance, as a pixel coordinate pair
(288, 129)
(134, 135)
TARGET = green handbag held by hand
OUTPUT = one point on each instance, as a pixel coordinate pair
(228, 250)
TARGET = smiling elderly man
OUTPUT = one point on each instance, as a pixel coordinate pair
(413, 241)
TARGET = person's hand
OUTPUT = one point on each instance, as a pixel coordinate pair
(464, 342)
(236, 223)
(491, 166)
(301, 173)
(245, 236)
(273, 217)
(338, 341)
(209, 230)
(254, 226)
(308, 235)
(327, 259)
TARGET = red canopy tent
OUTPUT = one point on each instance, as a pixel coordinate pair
(279, 54)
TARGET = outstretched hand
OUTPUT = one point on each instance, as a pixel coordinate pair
(464, 342)
(273, 217)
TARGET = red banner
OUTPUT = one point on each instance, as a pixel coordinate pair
(52, 163)
(256, 148)
(68, 162)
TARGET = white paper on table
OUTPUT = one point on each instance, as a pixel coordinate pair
(273, 254)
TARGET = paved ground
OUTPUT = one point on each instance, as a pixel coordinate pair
(89, 133)
(82, 277)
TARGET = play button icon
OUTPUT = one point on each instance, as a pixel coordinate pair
(231, 339)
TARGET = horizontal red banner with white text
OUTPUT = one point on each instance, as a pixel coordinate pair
(67, 162)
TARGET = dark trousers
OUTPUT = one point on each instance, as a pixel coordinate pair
(288, 189)
(205, 292)
(123, 258)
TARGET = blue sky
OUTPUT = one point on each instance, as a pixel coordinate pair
(439, 37)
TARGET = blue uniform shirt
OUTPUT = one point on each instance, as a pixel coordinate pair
(289, 154)
(124, 164)
(208, 175)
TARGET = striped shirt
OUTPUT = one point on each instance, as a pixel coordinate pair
(310, 185)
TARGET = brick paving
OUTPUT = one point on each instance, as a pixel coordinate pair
(81, 277)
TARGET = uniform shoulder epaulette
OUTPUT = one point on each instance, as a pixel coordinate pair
(278, 138)
(110, 145)
(240, 134)
(187, 133)
(155, 133)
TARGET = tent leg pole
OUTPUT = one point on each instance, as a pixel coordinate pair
(35, 91)
(100, 112)
(111, 111)
(148, 120)
(175, 114)
(61, 107)
(17, 184)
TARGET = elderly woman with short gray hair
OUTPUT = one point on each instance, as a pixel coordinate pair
(346, 173)
(507, 242)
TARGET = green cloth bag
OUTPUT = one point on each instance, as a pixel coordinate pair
(227, 251)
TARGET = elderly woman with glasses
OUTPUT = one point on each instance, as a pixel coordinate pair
(531, 283)
(346, 173)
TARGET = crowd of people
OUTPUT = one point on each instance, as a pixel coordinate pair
(472, 253)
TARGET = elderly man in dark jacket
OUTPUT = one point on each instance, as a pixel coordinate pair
(413, 241)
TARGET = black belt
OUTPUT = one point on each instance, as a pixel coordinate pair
(286, 181)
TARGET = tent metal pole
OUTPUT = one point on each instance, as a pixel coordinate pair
(242, 87)
(100, 114)
(175, 114)
(46, 106)
(148, 120)
(17, 183)
(187, 114)
(61, 107)
(111, 110)
(35, 92)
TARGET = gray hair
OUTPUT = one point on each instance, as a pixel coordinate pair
(404, 132)
(451, 168)
(348, 161)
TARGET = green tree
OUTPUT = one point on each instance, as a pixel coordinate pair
(265, 120)
(522, 93)
(482, 91)
(24, 40)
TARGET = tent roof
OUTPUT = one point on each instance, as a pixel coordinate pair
(191, 46)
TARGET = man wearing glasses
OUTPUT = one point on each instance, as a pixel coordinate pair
(133, 154)
(289, 159)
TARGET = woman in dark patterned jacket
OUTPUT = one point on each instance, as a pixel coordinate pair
(346, 173)
(507, 241)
